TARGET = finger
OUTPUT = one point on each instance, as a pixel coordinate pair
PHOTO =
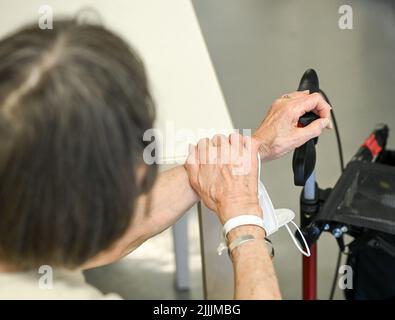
(218, 139)
(251, 149)
(223, 152)
(315, 103)
(235, 138)
(330, 124)
(313, 130)
(202, 150)
(250, 143)
(236, 141)
(295, 94)
(213, 153)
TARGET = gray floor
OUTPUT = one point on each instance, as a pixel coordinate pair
(259, 50)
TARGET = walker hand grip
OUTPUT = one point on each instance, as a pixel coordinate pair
(307, 118)
(303, 161)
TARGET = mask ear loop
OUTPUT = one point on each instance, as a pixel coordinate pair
(306, 253)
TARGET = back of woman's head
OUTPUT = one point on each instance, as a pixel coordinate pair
(74, 104)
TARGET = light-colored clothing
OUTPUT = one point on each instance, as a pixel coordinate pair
(65, 285)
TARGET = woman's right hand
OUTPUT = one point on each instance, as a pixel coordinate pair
(279, 132)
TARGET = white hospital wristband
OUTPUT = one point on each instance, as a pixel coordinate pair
(242, 220)
(235, 222)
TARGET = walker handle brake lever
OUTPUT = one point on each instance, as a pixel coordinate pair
(303, 161)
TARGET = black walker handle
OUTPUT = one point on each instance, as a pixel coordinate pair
(304, 157)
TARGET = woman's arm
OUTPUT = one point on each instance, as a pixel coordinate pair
(254, 273)
(170, 197)
(224, 171)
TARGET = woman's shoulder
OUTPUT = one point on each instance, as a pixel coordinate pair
(49, 284)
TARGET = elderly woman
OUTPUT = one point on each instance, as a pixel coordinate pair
(75, 192)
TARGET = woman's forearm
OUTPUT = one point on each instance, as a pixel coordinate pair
(170, 197)
(254, 273)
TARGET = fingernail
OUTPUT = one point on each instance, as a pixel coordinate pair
(306, 91)
(330, 126)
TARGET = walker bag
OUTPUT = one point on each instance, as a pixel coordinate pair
(364, 197)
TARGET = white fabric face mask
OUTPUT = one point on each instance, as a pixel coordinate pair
(273, 219)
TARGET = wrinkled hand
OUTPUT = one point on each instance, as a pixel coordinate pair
(224, 172)
(278, 133)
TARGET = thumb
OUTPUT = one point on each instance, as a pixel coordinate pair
(314, 129)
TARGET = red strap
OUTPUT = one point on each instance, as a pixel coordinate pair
(372, 145)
